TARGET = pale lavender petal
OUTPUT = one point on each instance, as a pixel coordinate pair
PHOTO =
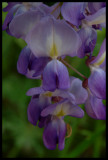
(101, 57)
(50, 35)
(55, 75)
(35, 91)
(78, 91)
(23, 23)
(50, 109)
(95, 108)
(88, 37)
(97, 83)
(73, 12)
(72, 110)
(96, 18)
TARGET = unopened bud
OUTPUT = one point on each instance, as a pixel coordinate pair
(85, 83)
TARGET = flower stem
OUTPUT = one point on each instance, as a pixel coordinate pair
(59, 4)
(73, 68)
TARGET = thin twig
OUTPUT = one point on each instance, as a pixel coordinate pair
(73, 68)
(56, 8)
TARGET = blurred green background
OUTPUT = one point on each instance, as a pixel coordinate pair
(22, 139)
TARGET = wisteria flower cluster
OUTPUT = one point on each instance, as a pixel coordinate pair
(52, 33)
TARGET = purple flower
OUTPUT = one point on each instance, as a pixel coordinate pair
(53, 38)
(29, 65)
(55, 131)
(80, 13)
(95, 107)
(76, 94)
(36, 105)
(88, 37)
(97, 85)
(97, 79)
(100, 59)
(41, 98)
(73, 12)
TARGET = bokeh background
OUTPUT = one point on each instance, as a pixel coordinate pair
(22, 139)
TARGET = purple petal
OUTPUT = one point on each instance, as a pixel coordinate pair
(88, 37)
(95, 108)
(73, 12)
(96, 18)
(54, 133)
(97, 83)
(50, 35)
(29, 65)
(62, 134)
(64, 94)
(101, 57)
(55, 75)
(35, 107)
(23, 60)
(65, 106)
(50, 135)
(35, 91)
(95, 6)
(38, 65)
(51, 108)
(78, 91)
(33, 110)
(23, 23)
(72, 110)
(9, 17)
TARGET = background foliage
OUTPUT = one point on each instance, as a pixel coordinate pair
(22, 139)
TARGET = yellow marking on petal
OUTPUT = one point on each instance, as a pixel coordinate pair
(100, 60)
(98, 20)
(69, 130)
(49, 94)
(53, 51)
(60, 114)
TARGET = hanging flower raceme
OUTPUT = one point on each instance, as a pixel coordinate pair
(97, 85)
(52, 33)
(51, 107)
